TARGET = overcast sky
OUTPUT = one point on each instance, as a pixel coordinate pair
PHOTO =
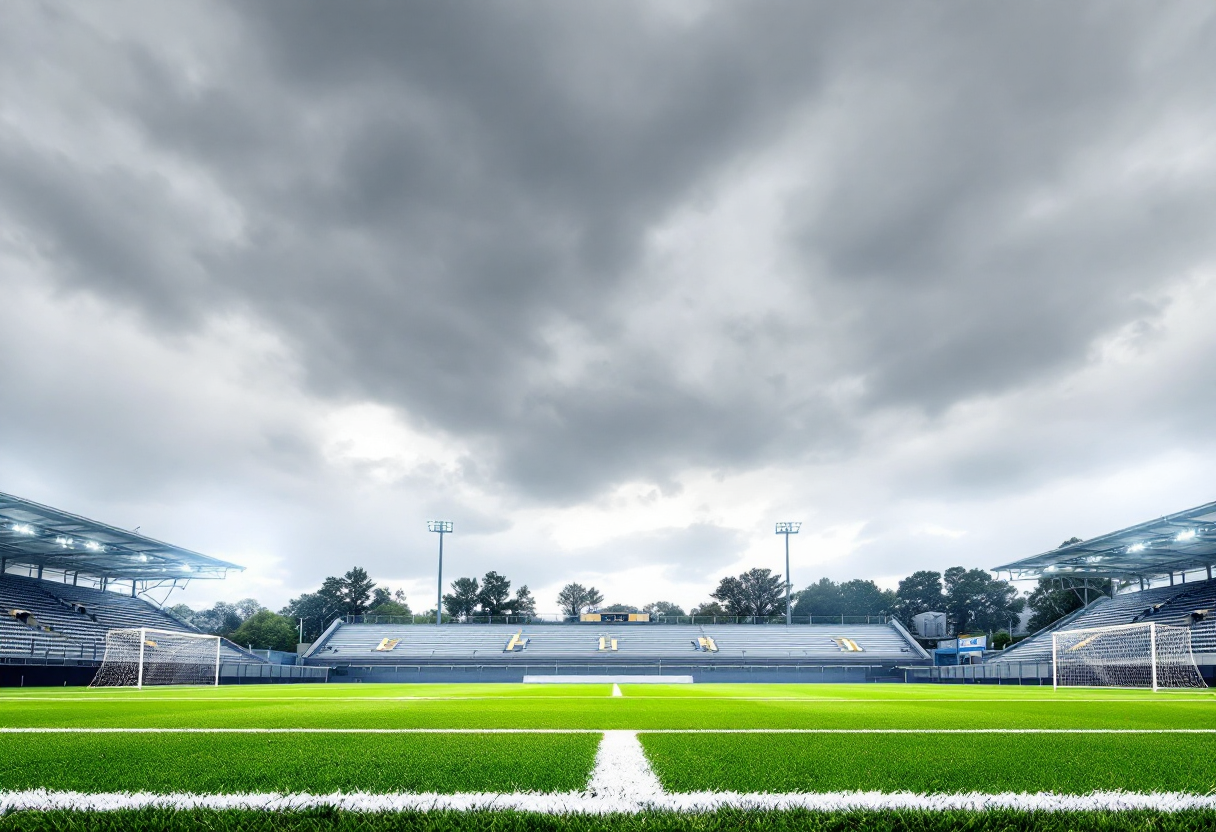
(613, 286)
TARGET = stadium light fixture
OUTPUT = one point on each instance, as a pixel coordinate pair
(787, 528)
(439, 527)
(94, 546)
(65, 542)
(1188, 534)
(22, 528)
(1137, 547)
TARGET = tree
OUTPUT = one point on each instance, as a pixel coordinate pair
(523, 603)
(865, 598)
(575, 598)
(463, 601)
(385, 602)
(820, 598)
(710, 608)
(1054, 598)
(266, 631)
(975, 600)
(917, 593)
(248, 607)
(495, 595)
(357, 588)
(755, 592)
(663, 609)
(316, 609)
(618, 608)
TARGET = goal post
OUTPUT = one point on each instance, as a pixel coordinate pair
(1141, 655)
(146, 656)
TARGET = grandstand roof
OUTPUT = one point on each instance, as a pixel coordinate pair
(1182, 541)
(38, 535)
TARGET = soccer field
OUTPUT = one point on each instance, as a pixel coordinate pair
(590, 752)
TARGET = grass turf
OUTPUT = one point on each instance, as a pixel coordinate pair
(592, 706)
(286, 763)
(932, 763)
(328, 820)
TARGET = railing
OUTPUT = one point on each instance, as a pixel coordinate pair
(843, 620)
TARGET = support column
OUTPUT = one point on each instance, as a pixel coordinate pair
(40, 571)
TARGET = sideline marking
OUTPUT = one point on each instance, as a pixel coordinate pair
(145, 730)
(582, 803)
(616, 690)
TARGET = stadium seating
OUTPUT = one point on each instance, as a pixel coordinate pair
(358, 643)
(73, 620)
(1171, 605)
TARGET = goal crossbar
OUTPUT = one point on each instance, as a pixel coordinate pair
(140, 656)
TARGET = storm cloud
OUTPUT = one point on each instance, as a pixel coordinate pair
(597, 275)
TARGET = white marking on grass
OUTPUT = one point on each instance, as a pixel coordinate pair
(616, 690)
(567, 803)
(147, 730)
(622, 774)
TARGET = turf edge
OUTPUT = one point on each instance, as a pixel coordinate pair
(727, 820)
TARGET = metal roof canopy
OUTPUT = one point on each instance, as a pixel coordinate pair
(38, 535)
(1174, 543)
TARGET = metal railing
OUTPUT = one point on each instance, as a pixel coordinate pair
(842, 620)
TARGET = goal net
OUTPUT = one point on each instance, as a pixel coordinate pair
(139, 657)
(1145, 655)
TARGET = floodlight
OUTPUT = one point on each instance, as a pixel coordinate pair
(1137, 547)
(65, 542)
(1188, 534)
(440, 527)
(22, 528)
(788, 528)
(93, 545)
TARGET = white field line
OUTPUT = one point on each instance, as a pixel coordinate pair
(144, 699)
(616, 690)
(622, 781)
(585, 803)
(145, 730)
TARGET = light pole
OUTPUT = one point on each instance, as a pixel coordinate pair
(788, 529)
(440, 527)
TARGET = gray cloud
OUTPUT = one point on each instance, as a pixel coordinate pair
(454, 213)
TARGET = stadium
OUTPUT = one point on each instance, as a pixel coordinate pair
(116, 707)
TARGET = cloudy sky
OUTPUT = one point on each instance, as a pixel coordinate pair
(613, 286)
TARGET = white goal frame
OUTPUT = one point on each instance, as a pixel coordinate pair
(122, 661)
(1138, 655)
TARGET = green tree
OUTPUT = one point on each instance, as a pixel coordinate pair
(575, 598)
(523, 603)
(357, 588)
(975, 600)
(495, 594)
(755, 592)
(317, 610)
(710, 608)
(860, 597)
(463, 601)
(663, 609)
(266, 631)
(917, 593)
(820, 598)
(619, 608)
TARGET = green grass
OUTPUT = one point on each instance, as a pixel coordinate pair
(319, 764)
(159, 820)
(591, 706)
(1064, 763)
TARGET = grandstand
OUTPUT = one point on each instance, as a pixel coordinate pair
(65, 581)
(721, 652)
(1161, 571)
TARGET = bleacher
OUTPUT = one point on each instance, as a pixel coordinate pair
(364, 644)
(1171, 605)
(70, 622)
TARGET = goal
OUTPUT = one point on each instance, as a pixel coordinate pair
(145, 656)
(1144, 655)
